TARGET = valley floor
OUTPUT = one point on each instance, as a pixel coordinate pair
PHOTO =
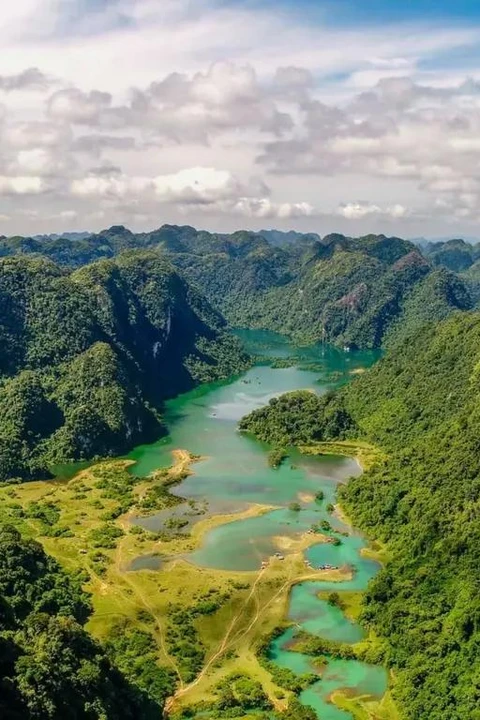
(88, 525)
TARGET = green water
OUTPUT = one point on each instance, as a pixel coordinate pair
(235, 474)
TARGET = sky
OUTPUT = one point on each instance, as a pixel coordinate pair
(344, 116)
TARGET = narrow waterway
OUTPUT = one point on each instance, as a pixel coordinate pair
(235, 474)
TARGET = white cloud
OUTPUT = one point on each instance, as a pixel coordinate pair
(21, 185)
(204, 186)
(192, 186)
(360, 210)
(35, 161)
(29, 79)
(35, 134)
(68, 214)
(73, 105)
(204, 190)
(265, 208)
(233, 110)
(110, 186)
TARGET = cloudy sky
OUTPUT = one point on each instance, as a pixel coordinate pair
(349, 116)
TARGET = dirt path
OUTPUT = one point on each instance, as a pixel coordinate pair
(228, 640)
(160, 632)
(141, 597)
(223, 646)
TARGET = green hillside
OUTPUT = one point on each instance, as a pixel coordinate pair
(457, 255)
(88, 357)
(344, 290)
(50, 667)
(421, 406)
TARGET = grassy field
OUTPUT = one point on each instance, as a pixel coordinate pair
(86, 524)
(366, 454)
(365, 708)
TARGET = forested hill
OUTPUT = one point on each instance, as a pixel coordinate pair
(89, 356)
(344, 290)
(456, 254)
(49, 666)
(421, 404)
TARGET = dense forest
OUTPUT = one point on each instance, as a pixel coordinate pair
(420, 404)
(89, 356)
(50, 668)
(99, 330)
(345, 290)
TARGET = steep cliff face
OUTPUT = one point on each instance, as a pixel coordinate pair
(90, 356)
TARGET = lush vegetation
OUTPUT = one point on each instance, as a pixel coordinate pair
(298, 418)
(88, 357)
(159, 630)
(241, 696)
(339, 289)
(276, 457)
(50, 668)
(420, 404)
(98, 331)
(92, 350)
(457, 255)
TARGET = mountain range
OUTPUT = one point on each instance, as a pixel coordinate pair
(349, 291)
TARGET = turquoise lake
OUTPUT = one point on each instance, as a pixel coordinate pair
(235, 474)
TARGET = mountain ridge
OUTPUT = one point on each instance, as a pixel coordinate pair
(339, 289)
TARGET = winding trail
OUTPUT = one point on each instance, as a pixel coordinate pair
(223, 647)
(228, 640)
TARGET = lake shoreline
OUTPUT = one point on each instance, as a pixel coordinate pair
(230, 469)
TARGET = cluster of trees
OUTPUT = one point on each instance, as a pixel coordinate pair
(298, 418)
(50, 667)
(421, 404)
(276, 457)
(89, 356)
(183, 640)
(240, 696)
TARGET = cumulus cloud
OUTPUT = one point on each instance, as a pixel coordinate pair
(304, 109)
(35, 134)
(113, 186)
(97, 143)
(192, 107)
(29, 79)
(204, 186)
(192, 186)
(398, 130)
(360, 210)
(206, 190)
(21, 185)
(80, 108)
(265, 208)
(35, 161)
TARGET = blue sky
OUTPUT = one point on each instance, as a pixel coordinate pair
(381, 11)
(320, 116)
